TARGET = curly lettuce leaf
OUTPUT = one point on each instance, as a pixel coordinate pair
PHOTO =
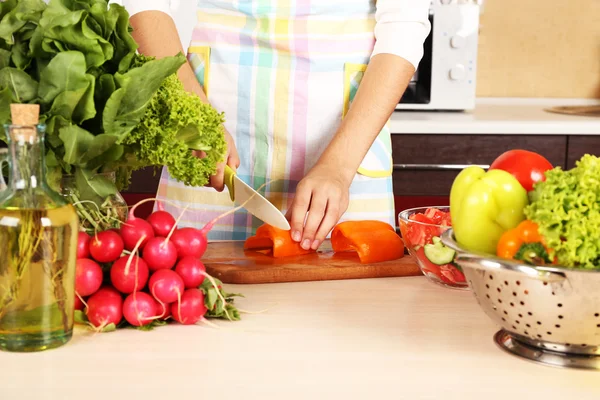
(566, 207)
(174, 120)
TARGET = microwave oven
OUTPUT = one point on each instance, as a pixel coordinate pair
(446, 76)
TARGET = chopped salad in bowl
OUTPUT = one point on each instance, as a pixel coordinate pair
(421, 229)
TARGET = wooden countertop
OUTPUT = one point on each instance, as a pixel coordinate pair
(393, 338)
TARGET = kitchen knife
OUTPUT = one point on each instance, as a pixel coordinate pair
(261, 208)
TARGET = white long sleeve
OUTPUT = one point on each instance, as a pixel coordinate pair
(137, 6)
(401, 28)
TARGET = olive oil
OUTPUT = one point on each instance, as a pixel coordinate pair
(38, 245)
(37, 278)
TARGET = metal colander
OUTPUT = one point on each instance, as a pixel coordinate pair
(547, 314)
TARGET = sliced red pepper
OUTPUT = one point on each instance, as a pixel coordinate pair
(373, 241)
(275, 241)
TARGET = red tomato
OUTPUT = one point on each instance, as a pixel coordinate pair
(452, 273)
(526, 166)
(438, 216)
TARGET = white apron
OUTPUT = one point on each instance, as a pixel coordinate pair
(284, 73)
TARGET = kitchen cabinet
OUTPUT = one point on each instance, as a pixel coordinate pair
(580, 145)
(426, 165)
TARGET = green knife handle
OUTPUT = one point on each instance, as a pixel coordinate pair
(228, 179)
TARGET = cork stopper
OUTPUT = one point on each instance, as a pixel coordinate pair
(25, 117)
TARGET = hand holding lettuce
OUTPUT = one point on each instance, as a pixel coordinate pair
(543, 215)
(106, 108)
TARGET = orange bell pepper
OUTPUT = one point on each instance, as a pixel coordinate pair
(277, 242)
(524, 243)
(373, 241)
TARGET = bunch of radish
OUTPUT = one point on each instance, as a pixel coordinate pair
(147, 272)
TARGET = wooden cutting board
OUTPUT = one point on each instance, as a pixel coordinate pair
(229, 262)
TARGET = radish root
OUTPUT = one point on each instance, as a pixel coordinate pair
(137, 245)
(83, 301)
(207, 322)
(133, 208)
(175, 224)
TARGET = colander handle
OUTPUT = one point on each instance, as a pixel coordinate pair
(498, 265)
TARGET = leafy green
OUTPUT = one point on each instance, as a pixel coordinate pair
(106, 108)
(163, 135)
(566, 207)
(214, 304)
(127, 105)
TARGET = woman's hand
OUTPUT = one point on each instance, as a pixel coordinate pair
(217, 181)
(323, 194)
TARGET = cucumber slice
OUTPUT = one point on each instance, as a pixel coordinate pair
(437, 253)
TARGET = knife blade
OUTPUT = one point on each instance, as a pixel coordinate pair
(261, 208)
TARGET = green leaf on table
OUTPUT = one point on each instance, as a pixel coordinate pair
(127, 105)
(211, 298)
(20, 14)
(22, 87)
(150, 326)
(92, 186)
(109, 328)
(80, 317)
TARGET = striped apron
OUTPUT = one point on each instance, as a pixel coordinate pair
(284, 72)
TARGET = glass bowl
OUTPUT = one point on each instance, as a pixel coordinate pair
(421, 229)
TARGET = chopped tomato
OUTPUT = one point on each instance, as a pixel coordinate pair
(447, 273)
(419, 234)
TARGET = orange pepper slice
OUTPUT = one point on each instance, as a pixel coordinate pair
(373, 241)
(277, 242)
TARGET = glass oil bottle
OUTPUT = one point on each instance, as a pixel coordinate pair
(38, 245)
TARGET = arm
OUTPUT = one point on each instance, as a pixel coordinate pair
(156, 34)
(401, 28)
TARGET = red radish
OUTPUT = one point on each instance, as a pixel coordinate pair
(166, 286)
(88, 277)
(189, 242)
(106, 246)
(83, 243)
(105, 307)
(136, 228)
(133, 230)
(192, 271)
(191, 309)
(79, 303)
(129, 278)
(163, 310)
(159, 253)
(139, 309)
(162, 222)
